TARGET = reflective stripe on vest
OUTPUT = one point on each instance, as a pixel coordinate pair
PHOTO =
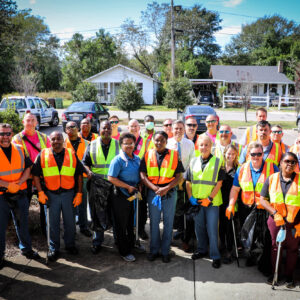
(251, 134)
(165, 173)
(81, 147)
(100, 164)
(249, 194)
(203, 182)
(55, 178)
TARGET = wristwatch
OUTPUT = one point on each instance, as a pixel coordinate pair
(274, 213)
(210, 198)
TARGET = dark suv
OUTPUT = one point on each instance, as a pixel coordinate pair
(206, 97)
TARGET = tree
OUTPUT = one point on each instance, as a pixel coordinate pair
(10, 116)
(129, 97)
(178, 93)
(85, 91)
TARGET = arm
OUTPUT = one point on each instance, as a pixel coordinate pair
(164, 190)
(267, 206)
(119, 183)
(188, 185)
(234, 192)
(147, 182)
(37, 183)
(216, 189)
(80, 183)
(24, 176)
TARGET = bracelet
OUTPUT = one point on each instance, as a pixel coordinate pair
(274, 213)
(210, 198)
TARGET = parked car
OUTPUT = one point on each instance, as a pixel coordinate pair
(80, 110)
(206, 97)
(38, 106)
(199, 112)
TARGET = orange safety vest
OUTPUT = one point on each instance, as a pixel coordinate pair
(251, 134)
(94, 136)
(289, 205)
(13, 170)
(165, 173)
(249, 193)
(55, 178)
(81, 147)
(294, 149)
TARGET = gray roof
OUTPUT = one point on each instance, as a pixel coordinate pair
(255, 74)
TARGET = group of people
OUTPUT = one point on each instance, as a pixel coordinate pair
(200, 184)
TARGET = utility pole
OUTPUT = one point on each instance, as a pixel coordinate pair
(172, 41)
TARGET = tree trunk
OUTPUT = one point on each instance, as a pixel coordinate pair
(245, 109)
(128, 115)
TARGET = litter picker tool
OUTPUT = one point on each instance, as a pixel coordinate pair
(235, 244)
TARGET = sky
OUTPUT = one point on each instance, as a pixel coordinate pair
(66, 17)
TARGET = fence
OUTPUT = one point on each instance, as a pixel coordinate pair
(255, 100)
(287, 102)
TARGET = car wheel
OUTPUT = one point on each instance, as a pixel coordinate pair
(38, 125)
(55, 121)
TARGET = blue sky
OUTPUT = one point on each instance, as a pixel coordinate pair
(65, 17)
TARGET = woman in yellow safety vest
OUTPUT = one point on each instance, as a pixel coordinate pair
(160, 171)
(203, 182)
(280, 196)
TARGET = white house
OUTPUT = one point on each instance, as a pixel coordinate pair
(108, 82)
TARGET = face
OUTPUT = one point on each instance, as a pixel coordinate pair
(261, 116)
(276, 134)
(256, 156)
(134, 127)
(167, 126)
(288, 164)
(85, 126)
(71, 129)
(178, 130)
(56, 141)
(128, 146)
(205, 147)
(225, 133)
(5, 137)
(160, 142)
(105, 130)
(263, 133)
(29, 122)
(114, 123)
(191, 126)
(211, 122)
(230, 155)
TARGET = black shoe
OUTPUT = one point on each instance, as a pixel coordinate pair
(290, 283)
(166, 259)
(152, 256)
(143, 235)
(72, 250)
(96, 249)
(2, 262)
(198, 255)
(86, 232)
(53, 255)
(216, 263)
(178, 235)
(31, 254)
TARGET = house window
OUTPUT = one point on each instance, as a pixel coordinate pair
(102, 89)
(255, 90)
(140, 87)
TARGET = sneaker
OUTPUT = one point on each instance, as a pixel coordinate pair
(31, 254)
(166, 259)
(96, 249)
(86, 232)
(216, 263)
(198, 255)
(138, 248)
(129, 258)
(53, 255)
(72, 250)
(152, 256)
(290, 283)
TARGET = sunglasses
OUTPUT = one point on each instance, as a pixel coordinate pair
(167, 125)
(5, 133)
(113, 122)
(71, 127)
(211, 121)
(277, 132)
(290, 162)
(191, 125)
(256, 154)
(224, 131)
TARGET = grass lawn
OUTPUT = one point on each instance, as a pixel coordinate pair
(144, 107)
(236, 124)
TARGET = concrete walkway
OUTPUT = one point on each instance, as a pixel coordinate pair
(107, 276)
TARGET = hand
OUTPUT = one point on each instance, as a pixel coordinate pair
(77, 199)
(205, 202)
(258, 205)
(278, 219)
(42, 197)
(13, 187)
(162, 191)
(89, 174)
(297, 233)
(193, 201)
(230, 212)
(131, 189)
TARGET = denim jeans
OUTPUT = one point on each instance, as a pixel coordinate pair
(21, 223)
(98, 238)
(168, 204)
(206, 224)
(82, 208)
(62, 202)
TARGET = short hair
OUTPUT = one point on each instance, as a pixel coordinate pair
(126, 135)
(5, 125)
(72, 122)
(86, 119)
(168, 119)
(29, 114)
(234, 148)
(178, 122)
(263, 123)
(149, 117)
(190, 117)
(58, 133)
(113, 117)
(165, 135)
(277, 125)
(203, 137)
(261, 109)
(254, 145)
(104, 122)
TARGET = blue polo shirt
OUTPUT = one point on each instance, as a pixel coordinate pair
(127, 172)
(254, 174)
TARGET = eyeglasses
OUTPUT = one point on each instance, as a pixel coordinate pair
(277, 131)
(5, 133)
(191, 125)
(211, 121)
(290, 162)
(224, 131)
(71, 127)
(168, 125)
(259, 154)
(113, 122)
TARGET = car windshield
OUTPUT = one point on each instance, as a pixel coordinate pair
(205, 93)
(14, 103)
(80, 106)
(200, 110)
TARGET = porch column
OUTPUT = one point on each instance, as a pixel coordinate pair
(108, 92)
(287, 94)
(268, 95)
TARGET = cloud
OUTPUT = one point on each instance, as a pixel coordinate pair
(32, 1)
(232, 3)
(229, 30)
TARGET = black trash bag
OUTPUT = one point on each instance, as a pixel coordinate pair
(247, 232)
(191, 211)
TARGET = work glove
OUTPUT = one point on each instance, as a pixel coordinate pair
(193, 200)
(157, 201)
(205, 202)
(281, 235)
(278, 219)
(77, 199)
(229, 213)
(137, 195)
(297, 228)
(42, 197)
(13, 188)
